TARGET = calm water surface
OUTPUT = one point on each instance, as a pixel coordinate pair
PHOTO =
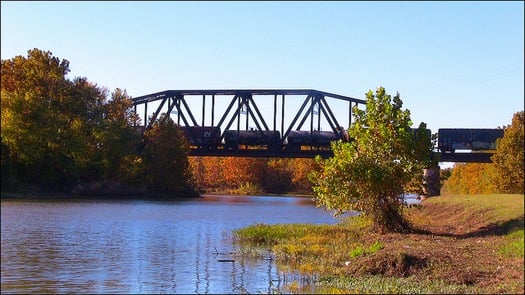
(141, 246)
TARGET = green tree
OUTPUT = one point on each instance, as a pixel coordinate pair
(57, 132)
(86, 104)
(509, 159)
(166, 161)
(39, 117)
(117, 139)
(5, 164)
(370, 173)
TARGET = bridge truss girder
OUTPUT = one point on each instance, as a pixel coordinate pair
(314, 107)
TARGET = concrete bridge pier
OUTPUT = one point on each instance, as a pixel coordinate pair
(431, 182)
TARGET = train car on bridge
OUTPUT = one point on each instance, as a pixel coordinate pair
(316, 139)
(202, 136)
(450, 140)
(234, 138)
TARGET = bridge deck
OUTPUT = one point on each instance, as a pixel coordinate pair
(467, 157)
(254, 153)
(325, 153)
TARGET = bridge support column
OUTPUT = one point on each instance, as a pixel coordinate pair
(431, 182)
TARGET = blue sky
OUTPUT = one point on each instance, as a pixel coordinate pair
(455, 64)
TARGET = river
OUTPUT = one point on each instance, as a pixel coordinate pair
(86, 246)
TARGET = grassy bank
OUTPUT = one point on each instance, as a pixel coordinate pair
(460, 244)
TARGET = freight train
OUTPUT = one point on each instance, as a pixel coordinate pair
(450, 140)
(210, 138)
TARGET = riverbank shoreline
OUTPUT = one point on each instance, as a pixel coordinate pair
(129, 194)
(292, 195)
(109, 196)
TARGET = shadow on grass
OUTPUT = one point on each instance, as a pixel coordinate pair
(496, 229)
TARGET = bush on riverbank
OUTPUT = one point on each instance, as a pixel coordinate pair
(461, 244)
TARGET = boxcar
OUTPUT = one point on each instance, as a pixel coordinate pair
(450, 140)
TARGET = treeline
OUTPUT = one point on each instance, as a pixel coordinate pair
(504, 175)
(72, 135)
(57, 133)
(65, 134)
(241, 175)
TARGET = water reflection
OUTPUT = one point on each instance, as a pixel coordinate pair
(141, 247)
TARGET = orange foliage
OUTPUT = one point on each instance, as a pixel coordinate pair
(237, 171)
(215, 174)
(207, 172)
(472, 178)
(301, 169)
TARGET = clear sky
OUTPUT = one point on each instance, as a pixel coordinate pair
(455, 64)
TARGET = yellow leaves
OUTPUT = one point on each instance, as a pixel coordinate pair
(509, 158)
(238, 174)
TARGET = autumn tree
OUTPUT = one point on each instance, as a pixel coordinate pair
(207, 173)
(118, 139)
(509, 158)
(58, 132)
(166, 161)
(301, 167)
(264, 174)
(44, 117)
(470, 178)
(277, 177)
(370, 173)
(243, 171)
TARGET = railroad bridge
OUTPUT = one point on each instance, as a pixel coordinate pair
(285, 123)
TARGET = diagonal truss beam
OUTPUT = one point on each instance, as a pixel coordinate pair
(305, 102)
(314, 104)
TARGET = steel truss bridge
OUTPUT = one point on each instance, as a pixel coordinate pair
(242, 130)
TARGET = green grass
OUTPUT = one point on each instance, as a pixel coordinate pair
(514, 245)
(390, 285)
(359, 250)
(505, 210)
(496, 208)
(306, 248)
(297, 247)
(264, 234)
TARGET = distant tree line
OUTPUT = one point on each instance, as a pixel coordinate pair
(57, 133)
(504, 175)
(242, 175)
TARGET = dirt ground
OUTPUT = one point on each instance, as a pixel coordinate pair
(448, 245)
